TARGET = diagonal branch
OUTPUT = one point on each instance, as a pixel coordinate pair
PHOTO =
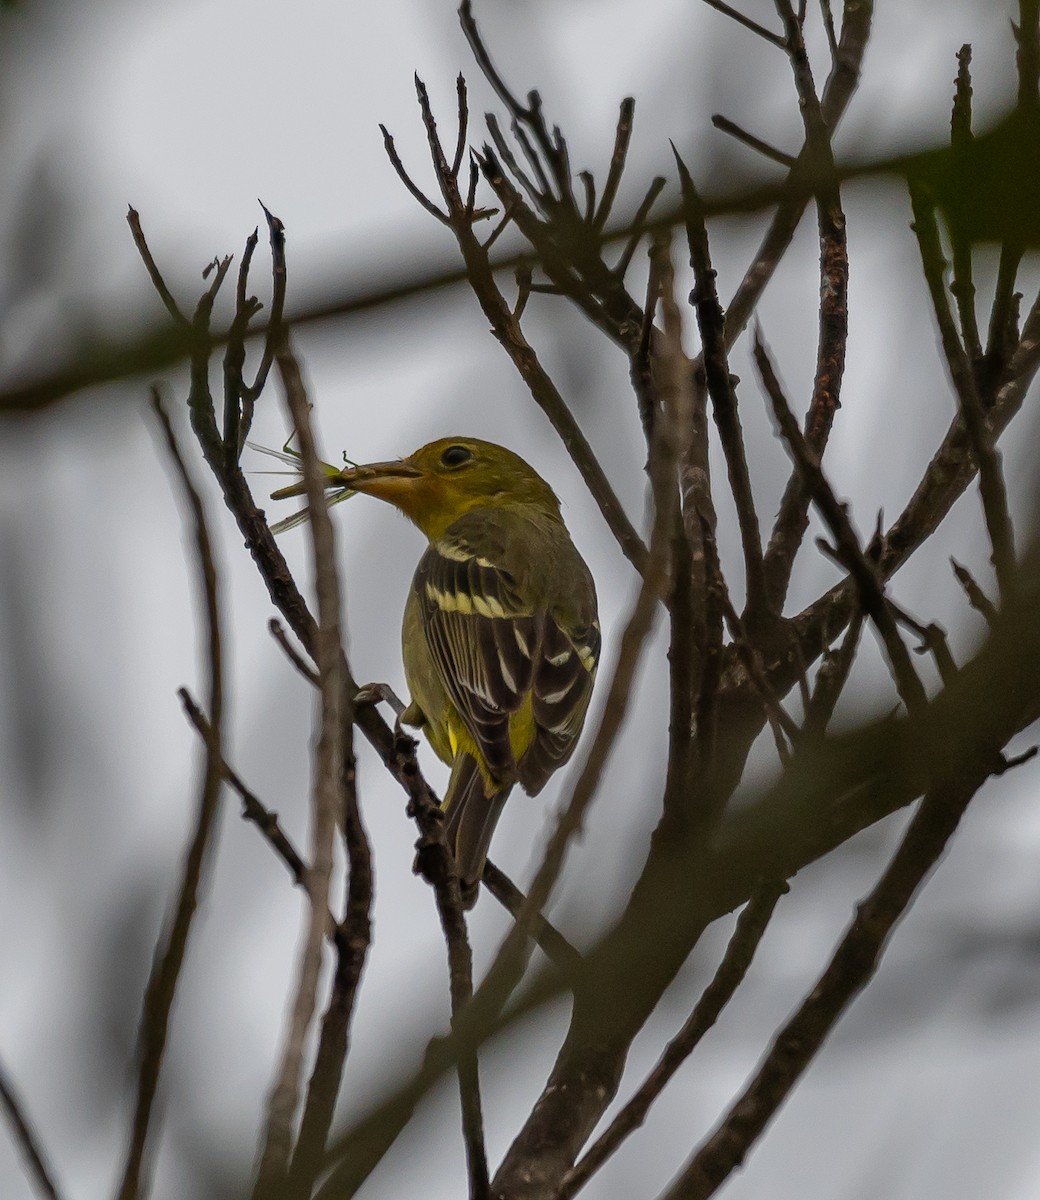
(27, 1139)
(329, 802)
(792, 520)
(852, 967)
(767, 35)
(987, 457)
(711, 321)
(862, 570)
(165, 974)
(751, 926)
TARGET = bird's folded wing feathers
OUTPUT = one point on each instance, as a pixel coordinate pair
(562, 687)
(480, 634)
(491, 648)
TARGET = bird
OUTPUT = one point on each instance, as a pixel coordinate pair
(500, 637)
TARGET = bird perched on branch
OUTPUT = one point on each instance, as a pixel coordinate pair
(500, 639)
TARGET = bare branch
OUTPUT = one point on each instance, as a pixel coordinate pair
(329, 802)
(657, 185)
(782, 725)
(977, 598)
(506, 328)
(154, 274)
(961, 137)
(169, 959)
(853, 965)
(711, 322)
(435, 863)
(622, 137)
(1027, 37)
(725, 125)
(774, 39)
(413, 190)
(828, 24)
(252, 808)
(275, 628)
(274, 331)
(831, 679)
(555, 946)
(987, 457)
(27, 1139)
(863, 571)
(751, 926)
(792, 519)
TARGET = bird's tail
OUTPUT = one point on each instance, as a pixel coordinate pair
(470, 820)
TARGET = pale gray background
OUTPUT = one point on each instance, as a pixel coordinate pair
(191, 111)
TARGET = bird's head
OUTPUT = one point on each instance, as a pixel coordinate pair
(445, 479)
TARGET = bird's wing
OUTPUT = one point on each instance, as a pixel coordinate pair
(564, 672)
(483, 639)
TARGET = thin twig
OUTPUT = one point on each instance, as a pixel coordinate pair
(27, 1139)
(933, 641)
(254, 810)
(711, 322)
(509, 158)
(828, 24)
(666, 388)
(540, 191)
(506, 329)
(435, 863)
(133, 218)
(504, 220)
(463, 123)
(555, 946)
(622, 137)
(353, 937)
(792, 520)
(838, 90)
(328, 803)
(961, 138)
(831, 679)
(638, 226)
(279, 281)
(991, 478)
(413, 189)
(783, 726)
(977, 598)
(165, 974)
(1001, 337)
(774, 39)
(725, 125)
(275, 628)
(863, 571)
(487, 67)
(1027, 57)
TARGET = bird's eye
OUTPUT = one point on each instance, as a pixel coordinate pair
(455, 456)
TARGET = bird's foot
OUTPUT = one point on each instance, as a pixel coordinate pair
(372, 693)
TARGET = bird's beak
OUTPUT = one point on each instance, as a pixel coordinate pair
(393, 482)
(411, 490)
(389, 480)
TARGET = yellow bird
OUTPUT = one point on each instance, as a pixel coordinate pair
(500, 639)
